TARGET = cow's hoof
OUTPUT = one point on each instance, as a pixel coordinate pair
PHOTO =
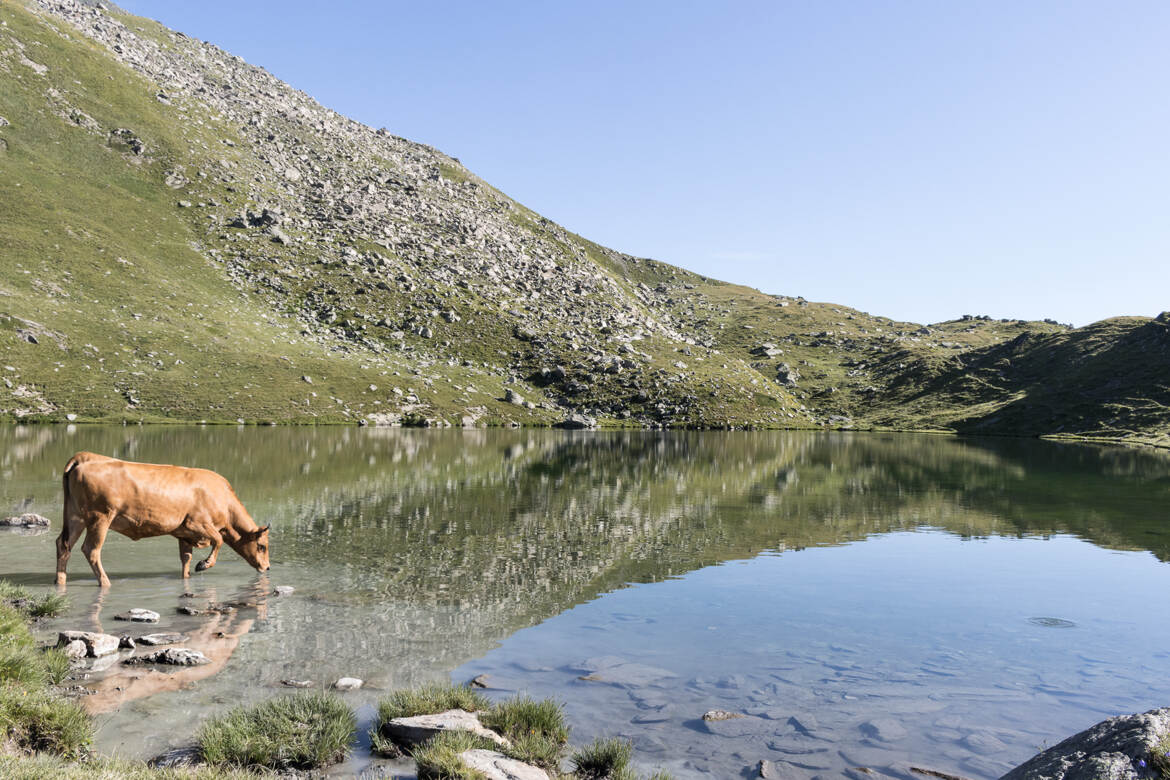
(202, 566)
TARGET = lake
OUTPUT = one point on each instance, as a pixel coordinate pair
(876, 600)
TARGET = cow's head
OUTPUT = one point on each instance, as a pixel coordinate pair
(254, 548)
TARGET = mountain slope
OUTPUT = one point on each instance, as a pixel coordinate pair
(186, 237)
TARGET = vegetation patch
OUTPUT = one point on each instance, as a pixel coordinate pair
(307, 731)
(429, 699)
(47, 767)
(26, 603)
(1160, 758)
(536, 729)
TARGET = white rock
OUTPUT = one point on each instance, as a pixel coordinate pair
(348, 684)
(139, 615)
(75, 649)
(497, 766)
(420, 728)
(96, 645)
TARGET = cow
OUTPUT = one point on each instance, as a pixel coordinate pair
(196, 506)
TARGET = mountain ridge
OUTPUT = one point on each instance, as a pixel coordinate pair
(264, 258)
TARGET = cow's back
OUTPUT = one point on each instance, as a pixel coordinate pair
(156, 498)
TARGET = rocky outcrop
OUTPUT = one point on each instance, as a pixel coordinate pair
(1121, 748)
(96, 645)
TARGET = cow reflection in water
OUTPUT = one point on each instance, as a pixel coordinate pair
(217, 638)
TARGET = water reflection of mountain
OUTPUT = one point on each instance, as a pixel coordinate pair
(501, 516)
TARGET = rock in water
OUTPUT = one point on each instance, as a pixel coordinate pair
(297, 683)
(161, 639)
(172, 656)
(27, 520)
(76, 649)
(1111, 750)
(96, 645)
(412, 731)
(348, 684)
(497, 766)
(139, 615)
(283, 590)
(720, 715)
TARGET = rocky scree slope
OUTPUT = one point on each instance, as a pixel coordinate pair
(187, 237)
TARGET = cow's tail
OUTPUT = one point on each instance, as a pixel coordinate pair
(73, 463)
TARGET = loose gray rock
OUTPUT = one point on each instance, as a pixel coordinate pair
(512, 397)
(1110, 750)
(497, 766)
(139, 615)
(577, 422)
(348, 684)
(125, 642)
(721, 715)
(412, 731)
(161, 639)
(26, 520)
(75, 649)
(96, 645)
(172, 656)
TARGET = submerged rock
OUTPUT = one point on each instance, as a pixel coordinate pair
(1114, 749)
(172, 656)
(283, 590)
(96, 645)
(721, 715)
(497, 766)
(161, 639)
(420, 728)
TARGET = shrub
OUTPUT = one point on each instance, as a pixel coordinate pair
(306, 731)
(602, 759)
(536, 729)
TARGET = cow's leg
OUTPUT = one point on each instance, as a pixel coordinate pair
(71, 531)
(216, 543)
(185, 548)
(95, 537)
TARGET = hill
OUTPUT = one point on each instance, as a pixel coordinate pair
(185, 237)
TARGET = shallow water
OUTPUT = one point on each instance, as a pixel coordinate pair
(867, 600)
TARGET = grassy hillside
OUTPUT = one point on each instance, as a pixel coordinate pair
(187, 238)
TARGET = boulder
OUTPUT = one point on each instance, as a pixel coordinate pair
(26, 520)
(96, 645)
(512, 397)
(347, 684)
(577, 422)
(418, 729)
(497, 766)
(139, 615)
(172, 656)
(1114, 749)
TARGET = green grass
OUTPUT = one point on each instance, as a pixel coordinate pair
(603, 759)
(22, 663)
(429, 699)
(46, 767)
(1160, 758)
(35, 720)
(536, 729)
(307, 731)
(29, 605)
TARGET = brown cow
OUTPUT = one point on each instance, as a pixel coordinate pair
(196, 506)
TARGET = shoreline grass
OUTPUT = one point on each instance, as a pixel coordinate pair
(305, 731)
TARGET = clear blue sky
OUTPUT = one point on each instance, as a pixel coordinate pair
(912, 158)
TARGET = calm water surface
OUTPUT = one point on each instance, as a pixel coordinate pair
(866, 600)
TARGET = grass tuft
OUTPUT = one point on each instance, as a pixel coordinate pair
(536, 729)
(429, 699)
(307, 731)
(602, 759)
(35, 721)
(23, 601)
(1160, 758)
(46, 767)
